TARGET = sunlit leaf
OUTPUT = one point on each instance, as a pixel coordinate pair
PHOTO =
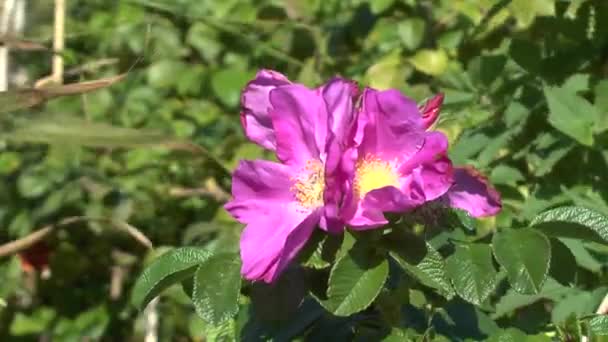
(170, 268)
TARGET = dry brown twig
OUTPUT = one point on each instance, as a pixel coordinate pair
(14, 247)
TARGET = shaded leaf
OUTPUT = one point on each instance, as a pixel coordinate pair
(525, 254)
(279, 301)
(355, 281)
(573, 222)
(563, 263)
(217, 284)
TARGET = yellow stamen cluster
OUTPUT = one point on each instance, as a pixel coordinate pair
(309, 185)
(374, 173)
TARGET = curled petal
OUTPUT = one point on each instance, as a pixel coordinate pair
(434, 167)
(430, 110)
(472, 192)
(390, 125)
(256, 103)
(300, 122)
(339, 96)
(368, 212)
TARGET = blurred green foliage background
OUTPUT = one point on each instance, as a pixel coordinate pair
(526, 102)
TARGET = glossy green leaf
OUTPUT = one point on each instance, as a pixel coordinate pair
(168, 269)
(217, 284)
(472, 273)
(355, 281)
(573, 222)
(526, 255)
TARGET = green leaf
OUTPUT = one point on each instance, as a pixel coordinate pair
(571, 114)
(573, 222)
(432, 62)
(217, 284)
(227, 84)
(508, 335)
(278, 301)
(411, 32)
(378, 6)
(79, 132)
(355, 281)
(421, 261)
(526, 11)
(582, 256)
(168, 269)
(513, 301)
(472, 273)
(598, 325)
(526, 255)
(320, 250)
(563, 263)
(503, 174)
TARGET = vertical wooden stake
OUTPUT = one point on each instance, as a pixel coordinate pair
(58, 41)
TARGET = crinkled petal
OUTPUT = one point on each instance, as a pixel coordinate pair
(472, 192)
(255, 104)
(300, 122)
(430, 110)
(368, 213)
(390, 125)
(435, 168)
(339, 96)
(261, 179)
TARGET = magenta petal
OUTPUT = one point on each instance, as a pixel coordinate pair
(390, 125)
(300, 122)
(430, 110)
(273, 236)
(256, 103)
(369, 212)
(472, 192)
(339, 96)
(434, 167)
(260, 179)
(276, 226)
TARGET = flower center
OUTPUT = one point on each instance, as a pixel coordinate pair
(373, 173)
(309, 185)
